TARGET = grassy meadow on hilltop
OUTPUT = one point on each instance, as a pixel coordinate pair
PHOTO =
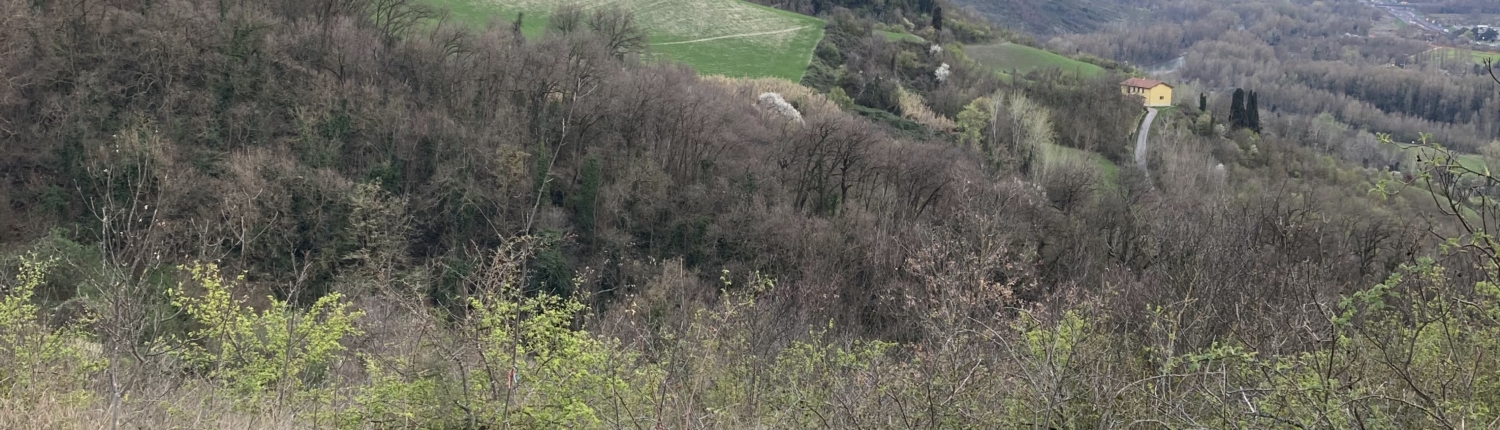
(1022, 59)
(715, 37)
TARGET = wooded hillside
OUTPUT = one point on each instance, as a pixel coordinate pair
(357, 214)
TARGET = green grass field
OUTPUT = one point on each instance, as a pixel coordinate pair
(715, 37)
(1109, 173)
(1471, 161)
(1458, 53)
(1480, 56)
(1007, 57)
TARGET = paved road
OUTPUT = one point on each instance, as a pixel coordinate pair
(1407, 14)
(1140, 139)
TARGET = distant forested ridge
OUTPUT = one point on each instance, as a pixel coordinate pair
(1310, 59)
(1052, 17)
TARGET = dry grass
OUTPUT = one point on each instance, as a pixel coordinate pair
(193, 405)
(809, 102)
(48, 414)
(155, 396)
(915, 109)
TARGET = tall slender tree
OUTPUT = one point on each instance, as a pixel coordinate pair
(1237, 109)
(1203, 102)
(1252, 112)
(937, 18)
(515, 27)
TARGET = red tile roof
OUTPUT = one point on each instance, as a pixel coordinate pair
(1142, 83)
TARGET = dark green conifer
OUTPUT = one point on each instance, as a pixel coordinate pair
(1252, 112)
(1237, 109)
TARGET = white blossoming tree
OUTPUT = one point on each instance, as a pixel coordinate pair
(774, 103)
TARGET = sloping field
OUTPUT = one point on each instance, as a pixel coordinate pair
(1109, 173)
(1473, 162)
(1006, 57)
(716, 37)
(1449, 56)
(1051, 17)
(1477, 56)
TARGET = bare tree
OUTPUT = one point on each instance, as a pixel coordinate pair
(124, 197)
(13, 43)
(566, 19)
(622, 34)
(395, 18)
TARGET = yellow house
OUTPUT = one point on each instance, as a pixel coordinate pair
(1153, 93)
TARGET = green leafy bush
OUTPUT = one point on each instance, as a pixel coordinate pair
(41, 363)
(537, 371)
(280, 354)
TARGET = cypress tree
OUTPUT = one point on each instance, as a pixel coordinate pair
(586, 196)
(1203, 102)
(1237, 109)
(516, 26)
(1252, 113)
(937, 18)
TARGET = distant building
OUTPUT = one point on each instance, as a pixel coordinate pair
(1153, 93)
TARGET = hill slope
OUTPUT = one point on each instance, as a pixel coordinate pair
(716, 37)
(1022, 59)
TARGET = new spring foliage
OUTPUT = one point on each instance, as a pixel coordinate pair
(281, 353)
